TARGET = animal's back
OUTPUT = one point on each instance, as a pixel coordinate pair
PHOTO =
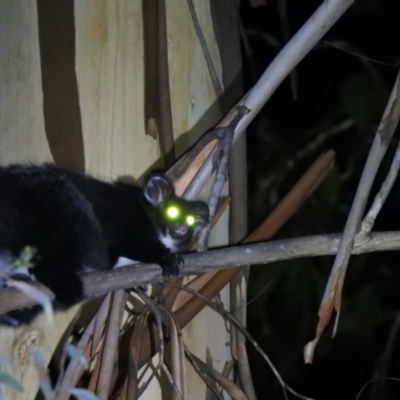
(40, 206)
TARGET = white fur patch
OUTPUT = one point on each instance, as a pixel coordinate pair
(122, 261)
(169, 242)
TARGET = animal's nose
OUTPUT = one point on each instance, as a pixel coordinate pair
(181, 230)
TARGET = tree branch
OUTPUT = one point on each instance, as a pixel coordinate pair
(295, 50)
(333, 291)
(98, 283)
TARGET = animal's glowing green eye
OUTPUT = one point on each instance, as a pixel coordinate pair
(190, 220)
(172, 212)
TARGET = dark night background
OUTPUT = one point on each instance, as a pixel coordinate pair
(334, 89)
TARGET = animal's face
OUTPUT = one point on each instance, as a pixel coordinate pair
(177, 220)
(181, 217)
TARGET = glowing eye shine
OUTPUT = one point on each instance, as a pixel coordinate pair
(190, 220)
(172, 212)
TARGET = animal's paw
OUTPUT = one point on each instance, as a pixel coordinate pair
(170, 264)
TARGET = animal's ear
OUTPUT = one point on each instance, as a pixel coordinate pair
(158, 189)
(202, 213)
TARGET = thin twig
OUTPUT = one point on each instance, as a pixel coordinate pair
(210, 65)
(111, 345)
(63, 358)
(204, 377)
(238, 296)
(100, 323)
(210, 376)
(380, 198)
(97, 343)
(177, 394)
(157, 315)
(294, 51)
(222, 172)
(175, 299)
(132, 385)
(75, 367)
(237, 232)
(225, 314)
(134, 354)
(193, 157)
(333, 289)
(193, 181)
(177, 351)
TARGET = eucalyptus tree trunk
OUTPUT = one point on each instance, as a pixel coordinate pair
(76, 89)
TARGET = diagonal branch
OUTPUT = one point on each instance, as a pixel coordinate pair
(332, 295)
(290, 56)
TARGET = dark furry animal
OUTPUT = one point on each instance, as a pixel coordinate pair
(78, 223)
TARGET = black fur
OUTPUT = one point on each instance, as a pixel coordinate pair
(78, 223)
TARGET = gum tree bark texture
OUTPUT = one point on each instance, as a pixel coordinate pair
(72, 76)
